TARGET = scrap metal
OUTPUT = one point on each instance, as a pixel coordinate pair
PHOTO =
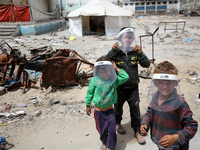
(64, 68)
(25, 82)
(176, 28)
(11, 59)
(153, 59)
(7, 59)
(38, 57)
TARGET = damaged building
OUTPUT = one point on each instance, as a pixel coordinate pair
(158, 7)
(29, 17)
(145, 7)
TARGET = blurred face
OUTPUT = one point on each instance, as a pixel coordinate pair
(105, 73)
(165, 87)
(127, 39)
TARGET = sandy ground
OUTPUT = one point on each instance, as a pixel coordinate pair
(65, 125)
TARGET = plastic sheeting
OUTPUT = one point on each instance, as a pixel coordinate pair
(112, 24)
(6, 14)
(21, 13)
(115, 17)
(100, 8)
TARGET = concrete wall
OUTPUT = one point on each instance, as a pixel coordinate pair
(44, 10)
(41, 28)
(15, 2)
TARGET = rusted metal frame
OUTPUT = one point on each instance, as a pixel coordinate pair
(177, 22)
(153, 59)
(60, 52)
(84, 60)
(88, 70)
(19, 71)
(7, 45)
(25, 79)
(77, 71)
(12, 70)
(85, 74)
(5, 61)
(152, 35)
(5, 68)
(71, 55)
(15, 85)
(64, 60)
(26, 82)
(12, 50)
(71, 66)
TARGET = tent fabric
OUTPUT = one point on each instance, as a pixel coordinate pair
(21, 13)
(75, 26)
(100, 8)
(115, 17)
(6, 14)
(114, 24)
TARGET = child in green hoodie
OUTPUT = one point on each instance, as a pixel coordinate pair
(102, 92)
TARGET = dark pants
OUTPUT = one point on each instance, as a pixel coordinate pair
(106, 126)
(131, 95)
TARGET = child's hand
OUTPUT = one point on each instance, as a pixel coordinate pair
(88, 110)
(138, 49)
(143, 129)
(116, 46)
(115, 66)
(168, 140)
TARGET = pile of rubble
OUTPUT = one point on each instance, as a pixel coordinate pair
(61, 67)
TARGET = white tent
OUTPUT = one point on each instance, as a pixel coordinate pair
(98, 17)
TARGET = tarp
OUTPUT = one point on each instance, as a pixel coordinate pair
(28, 10)
(114, 17)
(21, 13)
(100, 8)
(6, 14)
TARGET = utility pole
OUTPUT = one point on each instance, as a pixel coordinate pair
(12, 11)
(61, 9)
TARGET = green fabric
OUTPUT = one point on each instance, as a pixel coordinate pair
(107, 95)
(129, 62)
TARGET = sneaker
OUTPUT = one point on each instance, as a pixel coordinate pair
(140, 138)
(120, 129)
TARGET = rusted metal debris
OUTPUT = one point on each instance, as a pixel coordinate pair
(64, 68)
(60, 68)
(170, 27)
(11, 59)
(25, 82)
(36, 62)
(147, 73)
(8, 57)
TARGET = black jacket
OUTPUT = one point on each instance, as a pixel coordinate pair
(129, 62)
